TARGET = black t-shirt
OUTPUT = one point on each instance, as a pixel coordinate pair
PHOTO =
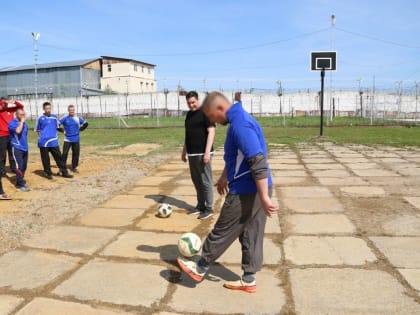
(196, 125)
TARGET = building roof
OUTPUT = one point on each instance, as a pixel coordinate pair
(129, 60)
(62, 64)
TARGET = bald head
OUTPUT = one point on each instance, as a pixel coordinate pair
(215, 106)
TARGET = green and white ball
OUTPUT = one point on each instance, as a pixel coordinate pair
(164, 210)
(189, 244)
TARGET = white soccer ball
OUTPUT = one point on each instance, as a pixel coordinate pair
(189, 244)
(164, 210)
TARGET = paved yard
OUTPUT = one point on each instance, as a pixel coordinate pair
(346, 241)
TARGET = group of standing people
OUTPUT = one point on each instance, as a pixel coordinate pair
(14, 141)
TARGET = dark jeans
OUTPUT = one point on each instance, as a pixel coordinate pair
(5, 149)
(75, 153)
(201, 175)
(45, 158)
(21, 161)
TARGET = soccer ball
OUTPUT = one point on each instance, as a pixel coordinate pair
(164, 210)
(189, 244)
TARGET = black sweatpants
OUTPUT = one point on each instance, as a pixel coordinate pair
(6, 149)
(202, 178)
(243, 217)
(21, 162)
(45, 158)
(75, 153)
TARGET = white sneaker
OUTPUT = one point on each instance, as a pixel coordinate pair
(191, 269)
(250, 287)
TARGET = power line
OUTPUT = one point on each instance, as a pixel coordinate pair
(5, 52)
(385, 41)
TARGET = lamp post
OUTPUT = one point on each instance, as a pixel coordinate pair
(399, 96)
(35, 37)
(280, 94)
(361, 97)
(417, 96)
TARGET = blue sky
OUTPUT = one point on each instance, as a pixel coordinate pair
(227, 44)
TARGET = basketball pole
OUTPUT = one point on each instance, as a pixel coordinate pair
(321, 127)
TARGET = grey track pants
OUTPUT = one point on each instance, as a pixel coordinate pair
(201, 175)
(243, 217)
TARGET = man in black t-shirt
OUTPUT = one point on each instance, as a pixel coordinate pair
(198, 147)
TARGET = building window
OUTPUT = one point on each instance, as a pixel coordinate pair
(141, 86)
(135, 67)
(109, 67)
(147, 85)
(148, 70)
(142, 68)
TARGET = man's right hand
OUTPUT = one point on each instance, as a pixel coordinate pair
(184, 157)
(222, 185)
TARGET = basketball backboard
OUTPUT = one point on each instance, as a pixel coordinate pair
(323, 60)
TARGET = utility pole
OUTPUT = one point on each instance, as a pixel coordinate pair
(399, 92)
(331, 73)
(360, 97)
(417, 96)
(280, 94)
(372, 101)
(35, 37)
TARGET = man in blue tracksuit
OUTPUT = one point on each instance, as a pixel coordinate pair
(247, 181)
(47, 126)
(73, 125)
(18, 130)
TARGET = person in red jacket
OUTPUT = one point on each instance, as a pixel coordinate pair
(7, 110)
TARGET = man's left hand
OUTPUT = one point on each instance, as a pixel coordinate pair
(206, 158)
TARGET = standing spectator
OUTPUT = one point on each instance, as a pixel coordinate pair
(73, 125)
(198, 147)
(18, 129)
(47, 126)
(6, 115)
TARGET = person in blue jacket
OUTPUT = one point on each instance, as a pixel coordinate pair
(18, 130)
(73, 125)
(247, 183)
(47, 128)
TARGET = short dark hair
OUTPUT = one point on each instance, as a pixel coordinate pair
(191, 94)
(46, 104)
(3, 98)
(70, 106)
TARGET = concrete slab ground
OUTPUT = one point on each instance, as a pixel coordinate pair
(72, 239)
(346, 181)
(415, 201)
(363, 191)
(282, 161)
(402, 252)
(349, 292)
(145, 245)
(327, 166)
(353, 160)
(331, 173)
(213, 298)
(406, 225)
(32, 269)
(272, 253)
(311, 160)
(410, 171)
(107, 217)
(129, 202)
(275, 166)
(117, 283)
(311, 205)
(273, 225)
(285, 180)
(179, 221)
(295, 173)
(327, 250)
(153, 181)
(8, 303)
(412, 276)
(362, 166)
(319, 224)
(305, 192)
(45, 306)
(375, 173)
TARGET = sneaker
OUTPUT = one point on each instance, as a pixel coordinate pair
(241, 285)
(206, 214)
(23, 188)
(67, 175)
(194, 211)
(48, 176)
(75, 170)
(191, 269)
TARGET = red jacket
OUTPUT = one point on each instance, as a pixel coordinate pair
(6, 115)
